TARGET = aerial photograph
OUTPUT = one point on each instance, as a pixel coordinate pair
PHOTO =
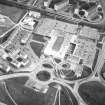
(52, 52)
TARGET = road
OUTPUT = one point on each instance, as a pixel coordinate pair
(53, 14)
(14, 75)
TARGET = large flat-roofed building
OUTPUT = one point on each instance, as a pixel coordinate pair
(58, 44)
(84, 52)
(79, 50)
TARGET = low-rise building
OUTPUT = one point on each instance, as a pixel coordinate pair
(61, 5)
(90, 33)
(58, 45)
(35, 14)
(47, 3)
(28, 23)
(5, 68)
